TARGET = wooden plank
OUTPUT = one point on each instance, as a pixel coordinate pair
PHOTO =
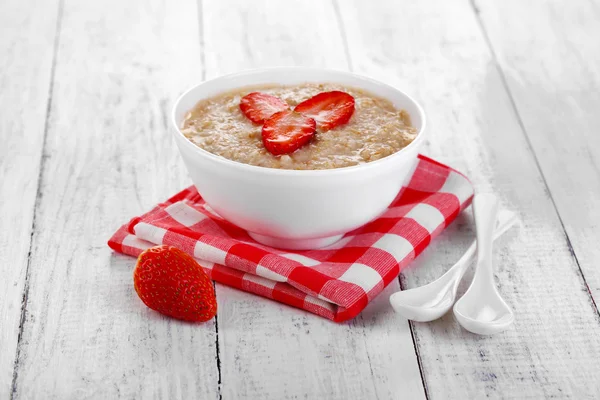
(119, 67)
(438, 54)
(269, 350)
(241, 35)
(27, 31)
(551, 65)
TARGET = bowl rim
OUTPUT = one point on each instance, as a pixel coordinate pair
(296, 172)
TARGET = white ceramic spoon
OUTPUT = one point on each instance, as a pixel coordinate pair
(431, 301)
(482, 310)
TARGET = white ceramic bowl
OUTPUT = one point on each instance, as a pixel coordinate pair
(288, 208)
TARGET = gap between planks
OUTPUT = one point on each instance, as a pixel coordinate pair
(342, 29)
(201, 37)
(515, 109)
(350, 67)
(42, 162)
(223, 63)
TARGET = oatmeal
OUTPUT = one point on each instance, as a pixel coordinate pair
(375, 129)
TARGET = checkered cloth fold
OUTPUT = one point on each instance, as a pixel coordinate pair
(336, 282)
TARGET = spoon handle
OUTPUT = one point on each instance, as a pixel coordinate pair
(485, 208)
(506, 219)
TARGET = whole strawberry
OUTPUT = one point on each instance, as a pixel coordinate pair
(171, 282)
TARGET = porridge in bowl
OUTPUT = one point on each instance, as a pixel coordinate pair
(305, 127)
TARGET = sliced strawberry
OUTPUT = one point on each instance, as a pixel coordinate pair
(329, 109)
(258, 106)
(173, 283)
(287, 131)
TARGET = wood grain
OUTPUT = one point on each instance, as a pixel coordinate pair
(109, 156)
(27, 32)
(511, 91)
(266, 34)
(439, 54)
(269, 350)
(556, 90)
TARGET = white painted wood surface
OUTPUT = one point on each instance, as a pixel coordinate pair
(26, 28)
(502, 83)
(551, 66)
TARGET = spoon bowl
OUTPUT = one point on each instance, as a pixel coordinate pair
(485, 317)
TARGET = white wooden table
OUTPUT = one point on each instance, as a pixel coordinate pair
(512, 89)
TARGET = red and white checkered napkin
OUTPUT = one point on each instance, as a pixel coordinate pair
(336, 282)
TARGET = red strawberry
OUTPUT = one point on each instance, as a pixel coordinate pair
(329, 109)
(172, 283)
(287, 131)
(258, 106)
